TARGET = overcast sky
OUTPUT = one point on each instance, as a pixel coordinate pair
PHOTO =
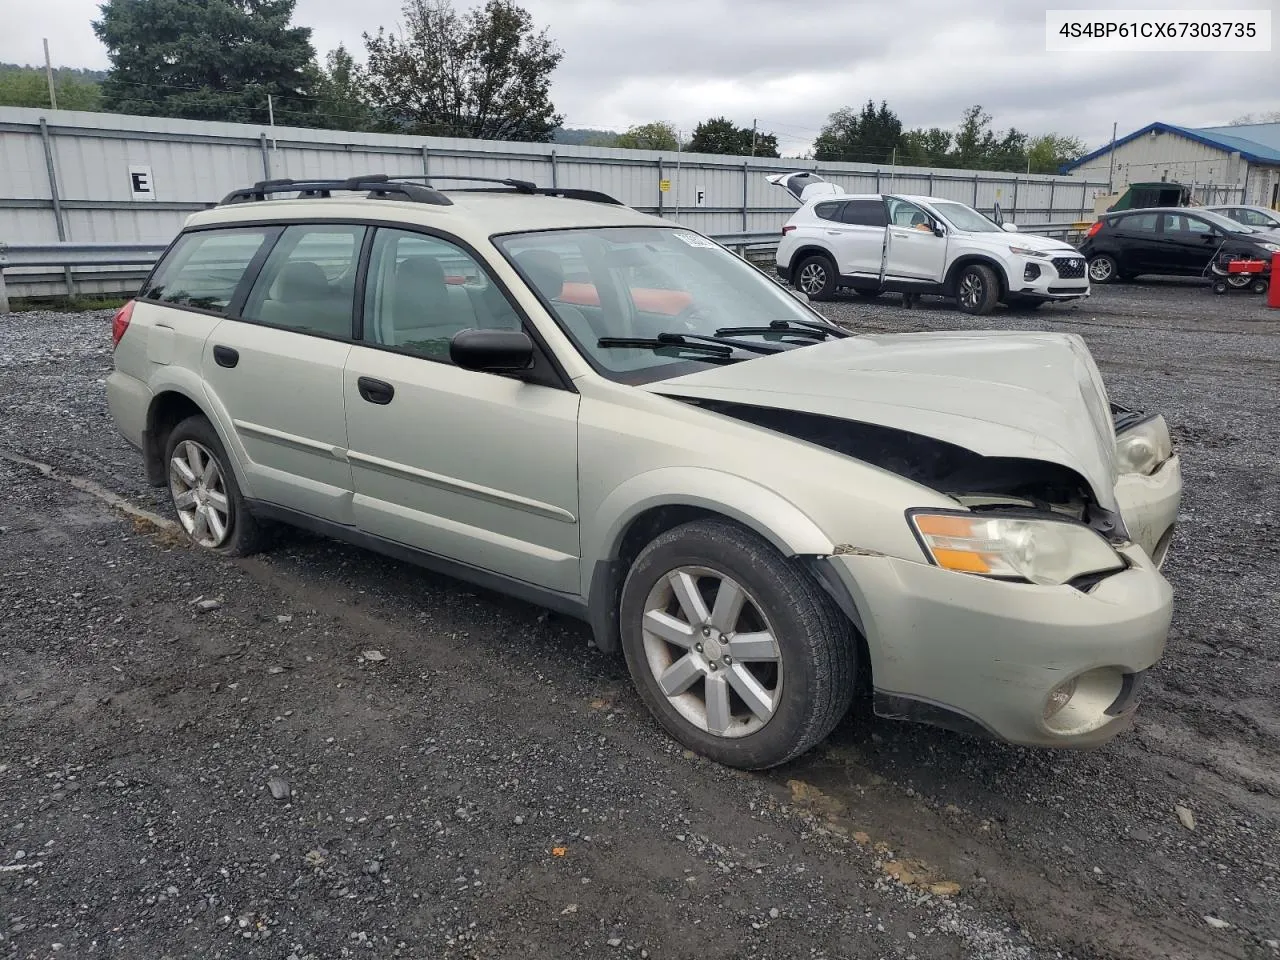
(789, 64)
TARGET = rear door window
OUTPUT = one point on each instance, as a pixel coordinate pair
(309, 280)
(1142, 223)
(864, 213)
(204, 268)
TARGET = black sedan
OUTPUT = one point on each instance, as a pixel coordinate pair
(1175, 241)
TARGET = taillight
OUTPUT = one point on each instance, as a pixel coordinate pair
(788, 228)
(1094, 229)
(120, 323)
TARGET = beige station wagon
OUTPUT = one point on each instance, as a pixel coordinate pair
(549, 394)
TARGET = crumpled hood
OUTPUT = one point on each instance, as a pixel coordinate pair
(1035, 396)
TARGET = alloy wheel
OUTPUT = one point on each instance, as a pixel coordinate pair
(199, 494)
(1100, 270)
(712, 652)
(813, 277)
(971, 290)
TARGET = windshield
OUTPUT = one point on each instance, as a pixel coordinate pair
(608, 283)
(964, 217)
(1221, 222)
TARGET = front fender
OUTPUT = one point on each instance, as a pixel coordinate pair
(757, 508)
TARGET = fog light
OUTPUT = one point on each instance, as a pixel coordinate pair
(1059, 698)
(1031, 272)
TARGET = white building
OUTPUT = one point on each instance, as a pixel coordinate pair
(1239, 164)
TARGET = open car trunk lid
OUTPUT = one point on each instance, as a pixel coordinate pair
(804, 185)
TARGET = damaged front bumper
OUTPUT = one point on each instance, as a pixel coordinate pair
(989, 656)
(1149, 506)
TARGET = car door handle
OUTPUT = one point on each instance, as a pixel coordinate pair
(226, 356)
(375, 391)
(833, 233)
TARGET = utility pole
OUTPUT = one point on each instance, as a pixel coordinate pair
(48, 75)
(271, 119)
(1111, 167)
(753, 137)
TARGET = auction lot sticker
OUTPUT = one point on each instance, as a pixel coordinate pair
(1158, 31)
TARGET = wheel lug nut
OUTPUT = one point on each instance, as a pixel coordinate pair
(714, 666)
(727, 661)
(698, 647)
(706, 631)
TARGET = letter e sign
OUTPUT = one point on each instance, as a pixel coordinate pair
(140, 182)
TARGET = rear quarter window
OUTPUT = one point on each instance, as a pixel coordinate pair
(830, 210)
(204, 268)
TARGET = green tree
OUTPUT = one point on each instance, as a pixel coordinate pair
(723, 136)
(207, 59)
(29, 87)
(926, 148)
(648, 136)
(1049, 152)
(342, 102)
(871, 135)
(483, 74)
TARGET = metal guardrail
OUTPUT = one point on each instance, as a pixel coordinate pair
(67, 255)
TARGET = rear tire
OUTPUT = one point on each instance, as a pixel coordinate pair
(211, 510)
(816, 277)
(1103, 269)
(750, 682)
(977, 289)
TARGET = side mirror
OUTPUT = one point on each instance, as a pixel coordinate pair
(492, 351)
(1010, 227)
(1208, 237)
(939, 230)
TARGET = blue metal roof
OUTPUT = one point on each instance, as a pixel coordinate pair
(1259, 134)
(1264, 150)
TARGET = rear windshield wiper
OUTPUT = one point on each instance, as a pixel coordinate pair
(799, 327)
(693, 341)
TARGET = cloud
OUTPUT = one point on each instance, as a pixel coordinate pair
(791, 65)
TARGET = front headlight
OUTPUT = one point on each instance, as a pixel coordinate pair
(1028, 252)
(1042, 551)
(1144, 446)
(1270, 247)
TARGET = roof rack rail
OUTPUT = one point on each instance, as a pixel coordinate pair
(520, 186)
(394, 186)
(378, 184)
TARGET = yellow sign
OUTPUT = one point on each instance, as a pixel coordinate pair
(664, 185)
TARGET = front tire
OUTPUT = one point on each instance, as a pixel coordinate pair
(816, 277)
(1103, 269)
(977, 289)
(734, 648)
(206, 498)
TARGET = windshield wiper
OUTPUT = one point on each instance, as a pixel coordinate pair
(792, 326)
(711, 353)
(695, 341)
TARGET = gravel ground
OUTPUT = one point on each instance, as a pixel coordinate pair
(247, 781)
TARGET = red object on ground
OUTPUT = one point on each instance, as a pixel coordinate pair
(1273, 291)
(1246, 266)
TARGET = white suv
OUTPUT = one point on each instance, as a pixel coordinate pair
(610, 415)
(877, 242)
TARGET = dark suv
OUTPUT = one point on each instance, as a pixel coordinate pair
(1177, 241)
